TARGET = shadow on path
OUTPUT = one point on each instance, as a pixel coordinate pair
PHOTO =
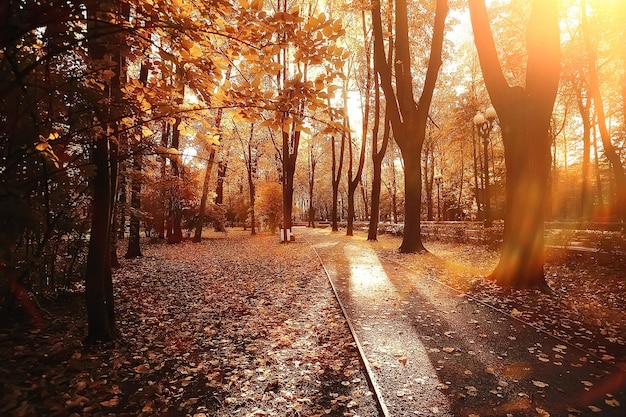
(437, 352)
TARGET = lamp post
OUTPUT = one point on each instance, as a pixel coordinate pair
(438, 181)
(484, 125)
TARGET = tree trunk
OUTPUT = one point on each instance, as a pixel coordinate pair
(222, 167)
(585, 197)
(197, 237)
(619, 174)
(312, 166)
(98, 280)
(412, 236)
(524, 115)
(408, 117)
(337, 166)
(134, 248)
(522, 258)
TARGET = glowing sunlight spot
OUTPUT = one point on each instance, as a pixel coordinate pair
(366, 272)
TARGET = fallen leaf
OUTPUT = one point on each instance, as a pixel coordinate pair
(612, 402)
(142, 369)
(110, 403)
(540, 384)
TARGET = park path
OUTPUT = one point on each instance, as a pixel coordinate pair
(433, 351)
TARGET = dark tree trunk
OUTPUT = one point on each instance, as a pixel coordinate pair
(98, 279)
(337, 165)
(524, 115)
(412, 241)
(291, 142)
(197, 237)
(222, 167)
(408, 117)
(585, 197)
(312, 166)
(134, 248)
(251, 164)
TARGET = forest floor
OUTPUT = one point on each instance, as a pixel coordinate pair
(244, 326)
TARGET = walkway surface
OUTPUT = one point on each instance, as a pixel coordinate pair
(436, 352)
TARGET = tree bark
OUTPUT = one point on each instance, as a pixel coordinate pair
(134, 247)
(524, 115)
(197, 237)
(407, 117)
(98, 279)
(337, 166)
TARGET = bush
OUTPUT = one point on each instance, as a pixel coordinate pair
(269, 204)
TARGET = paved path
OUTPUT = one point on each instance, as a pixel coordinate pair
(436, 352)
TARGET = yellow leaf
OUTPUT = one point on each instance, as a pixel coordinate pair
(146, 131)
(516, 312)
(540, 384)
(42, 146)
(195, 51)
(541, 412)
(612, 402)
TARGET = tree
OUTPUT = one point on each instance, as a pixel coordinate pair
(337, 167)
(610, 150)
(408, 118)
(524, 114)
(98, 281)
(269, 204)
(353, 181)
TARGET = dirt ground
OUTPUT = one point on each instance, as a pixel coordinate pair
(245, 326)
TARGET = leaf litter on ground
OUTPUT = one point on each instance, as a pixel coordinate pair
(234, 325)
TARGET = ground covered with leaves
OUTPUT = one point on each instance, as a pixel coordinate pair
(246, 326)
(233, 326)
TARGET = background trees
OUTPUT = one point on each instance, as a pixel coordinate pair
(150, 86)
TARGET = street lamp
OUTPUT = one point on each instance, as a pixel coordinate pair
(484, 125)
(438, 181)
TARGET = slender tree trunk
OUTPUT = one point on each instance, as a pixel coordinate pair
(585, 198)
(619, 174)
(197, 237)
(312, 165)
(337, 165)
(251, 168)
(222, 167)
(134, 247)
